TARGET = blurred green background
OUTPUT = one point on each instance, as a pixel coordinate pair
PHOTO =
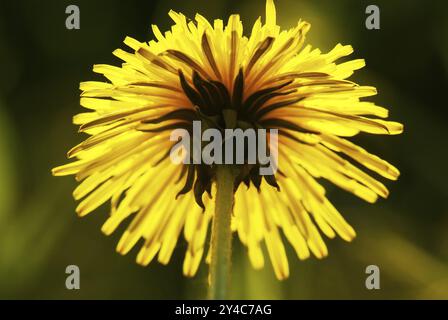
(42, 64)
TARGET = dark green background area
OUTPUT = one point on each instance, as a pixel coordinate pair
(42, 64)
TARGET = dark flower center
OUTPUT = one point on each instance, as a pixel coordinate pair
(217, 108)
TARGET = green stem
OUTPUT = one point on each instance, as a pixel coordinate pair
(221, 241)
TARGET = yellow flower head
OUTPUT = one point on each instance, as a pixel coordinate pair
(213, 73)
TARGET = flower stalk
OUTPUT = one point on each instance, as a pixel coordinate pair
(221, 240)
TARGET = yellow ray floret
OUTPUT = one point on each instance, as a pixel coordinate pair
(274, 80)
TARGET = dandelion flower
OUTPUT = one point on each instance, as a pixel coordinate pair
(213, 73)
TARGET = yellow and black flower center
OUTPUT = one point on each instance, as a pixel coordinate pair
(216, 107)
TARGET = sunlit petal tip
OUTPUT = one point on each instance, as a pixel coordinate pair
(393, 172)
(320, 251)
(141, 260)
(256, 258)
(282, 276)
(107, 227)
(191, 263)
(66, 169)
(58, 171)
(271, 14)
(147, 254)
(372, 199)
(117, 53)
(303, 255)
(360, 63)
(397, 127)
(322, 255)
(163, 259)
(76, 195)
(349, 235)
(126, 242)
(84, 208)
